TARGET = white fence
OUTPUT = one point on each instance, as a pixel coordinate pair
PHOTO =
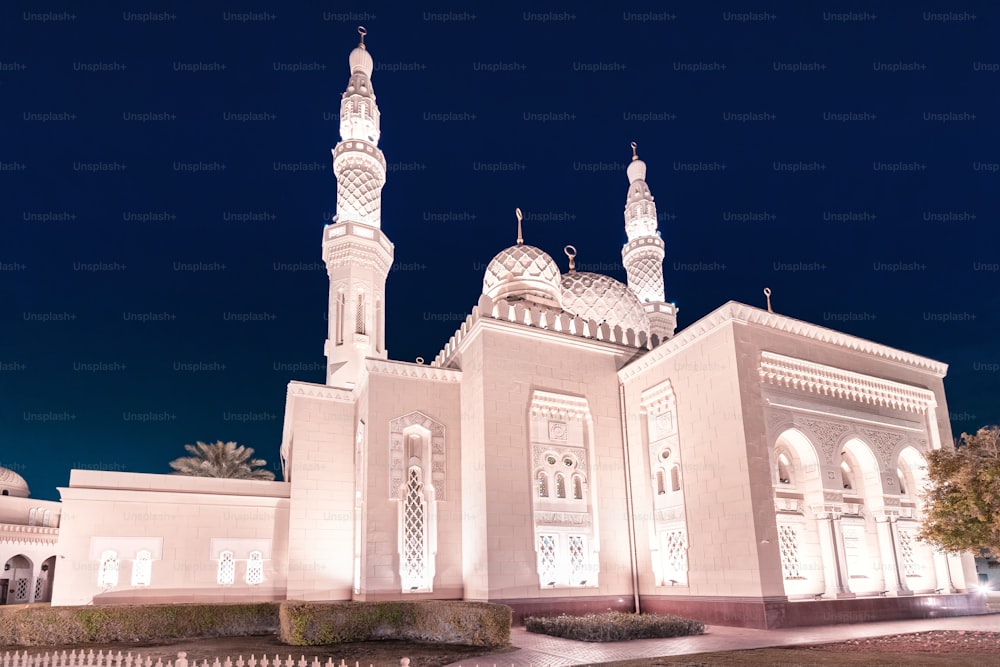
(111, 659)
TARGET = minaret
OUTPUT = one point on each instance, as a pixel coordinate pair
(643, 254)
(357, 254)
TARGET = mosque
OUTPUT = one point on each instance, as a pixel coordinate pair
(566, 451)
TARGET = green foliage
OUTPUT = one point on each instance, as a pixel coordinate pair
(221, 459)
(962, 510)
(613, 626)
(439, 621)
(38, 625)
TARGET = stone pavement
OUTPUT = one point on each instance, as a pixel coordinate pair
(543, 651)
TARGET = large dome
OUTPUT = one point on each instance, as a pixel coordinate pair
(525, 271)
(601, 298)
(12, 484)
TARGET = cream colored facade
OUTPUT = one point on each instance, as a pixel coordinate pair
(565, 451)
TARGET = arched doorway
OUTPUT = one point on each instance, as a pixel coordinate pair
(798, 491)
(15, 581)
(864, 502)
(43, 583)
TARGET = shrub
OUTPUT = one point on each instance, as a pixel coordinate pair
(36, 625)
(440, 621)
(613, 626)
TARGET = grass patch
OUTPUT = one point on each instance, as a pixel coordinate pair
(613, 626)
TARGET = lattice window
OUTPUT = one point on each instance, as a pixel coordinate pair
(788, 545)
(543, 485)
(675, 550)
(107, 575)
(21, 590)
(39, 586)
(226, 573)
(577, 559)
(414, 534)
(142, 568)
(906, 554)
(255, 568)
(548, 546)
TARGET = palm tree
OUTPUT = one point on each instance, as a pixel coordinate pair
(221, 459)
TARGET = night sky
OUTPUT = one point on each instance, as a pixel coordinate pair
(166, 174)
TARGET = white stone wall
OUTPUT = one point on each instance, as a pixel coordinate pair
(321, 425)
(184, 522)
(393, 394)
(514, 363)
(718, 509)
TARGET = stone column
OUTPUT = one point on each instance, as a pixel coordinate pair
(832, 547)
(888, 539)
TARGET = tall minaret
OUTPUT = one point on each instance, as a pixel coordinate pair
(643, 254)
(357, 254)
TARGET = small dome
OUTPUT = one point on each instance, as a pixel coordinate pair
(523, 270)
(601, 298)
(636, 171)
(362, 61)
(12, 484)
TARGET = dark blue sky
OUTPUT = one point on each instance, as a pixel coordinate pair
(845, 156)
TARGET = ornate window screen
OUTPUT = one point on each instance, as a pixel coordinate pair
(107, 575)
(226, 573)
(142, 568)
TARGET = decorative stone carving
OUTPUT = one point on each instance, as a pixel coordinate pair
(823, 380)
(827, 434)
(884, 443)
(436, 466)
(543, 518)
(557, 430)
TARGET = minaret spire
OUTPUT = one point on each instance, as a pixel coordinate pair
(520, 236)
(644, 252)
(358, 255)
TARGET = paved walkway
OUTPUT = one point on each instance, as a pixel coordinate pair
(543, 651)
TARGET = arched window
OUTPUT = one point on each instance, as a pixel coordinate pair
(675, 478)
(784, 469)
(661, 482)
(107, 575)
(32, 517)
(227, 568)
(5, 492)
(142, 568)
(255, 568)
(560, 485)
(341, 307)
(577, 487)
(847, 475)
(543, 485)
(47, 518)
(902, 482)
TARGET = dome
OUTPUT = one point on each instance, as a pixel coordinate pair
(12, 484)
(361, 61)
(601, 298)
(523, 270)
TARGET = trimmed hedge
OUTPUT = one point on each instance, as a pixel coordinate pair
(613, 626)
(439, 621)
(39, 625)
